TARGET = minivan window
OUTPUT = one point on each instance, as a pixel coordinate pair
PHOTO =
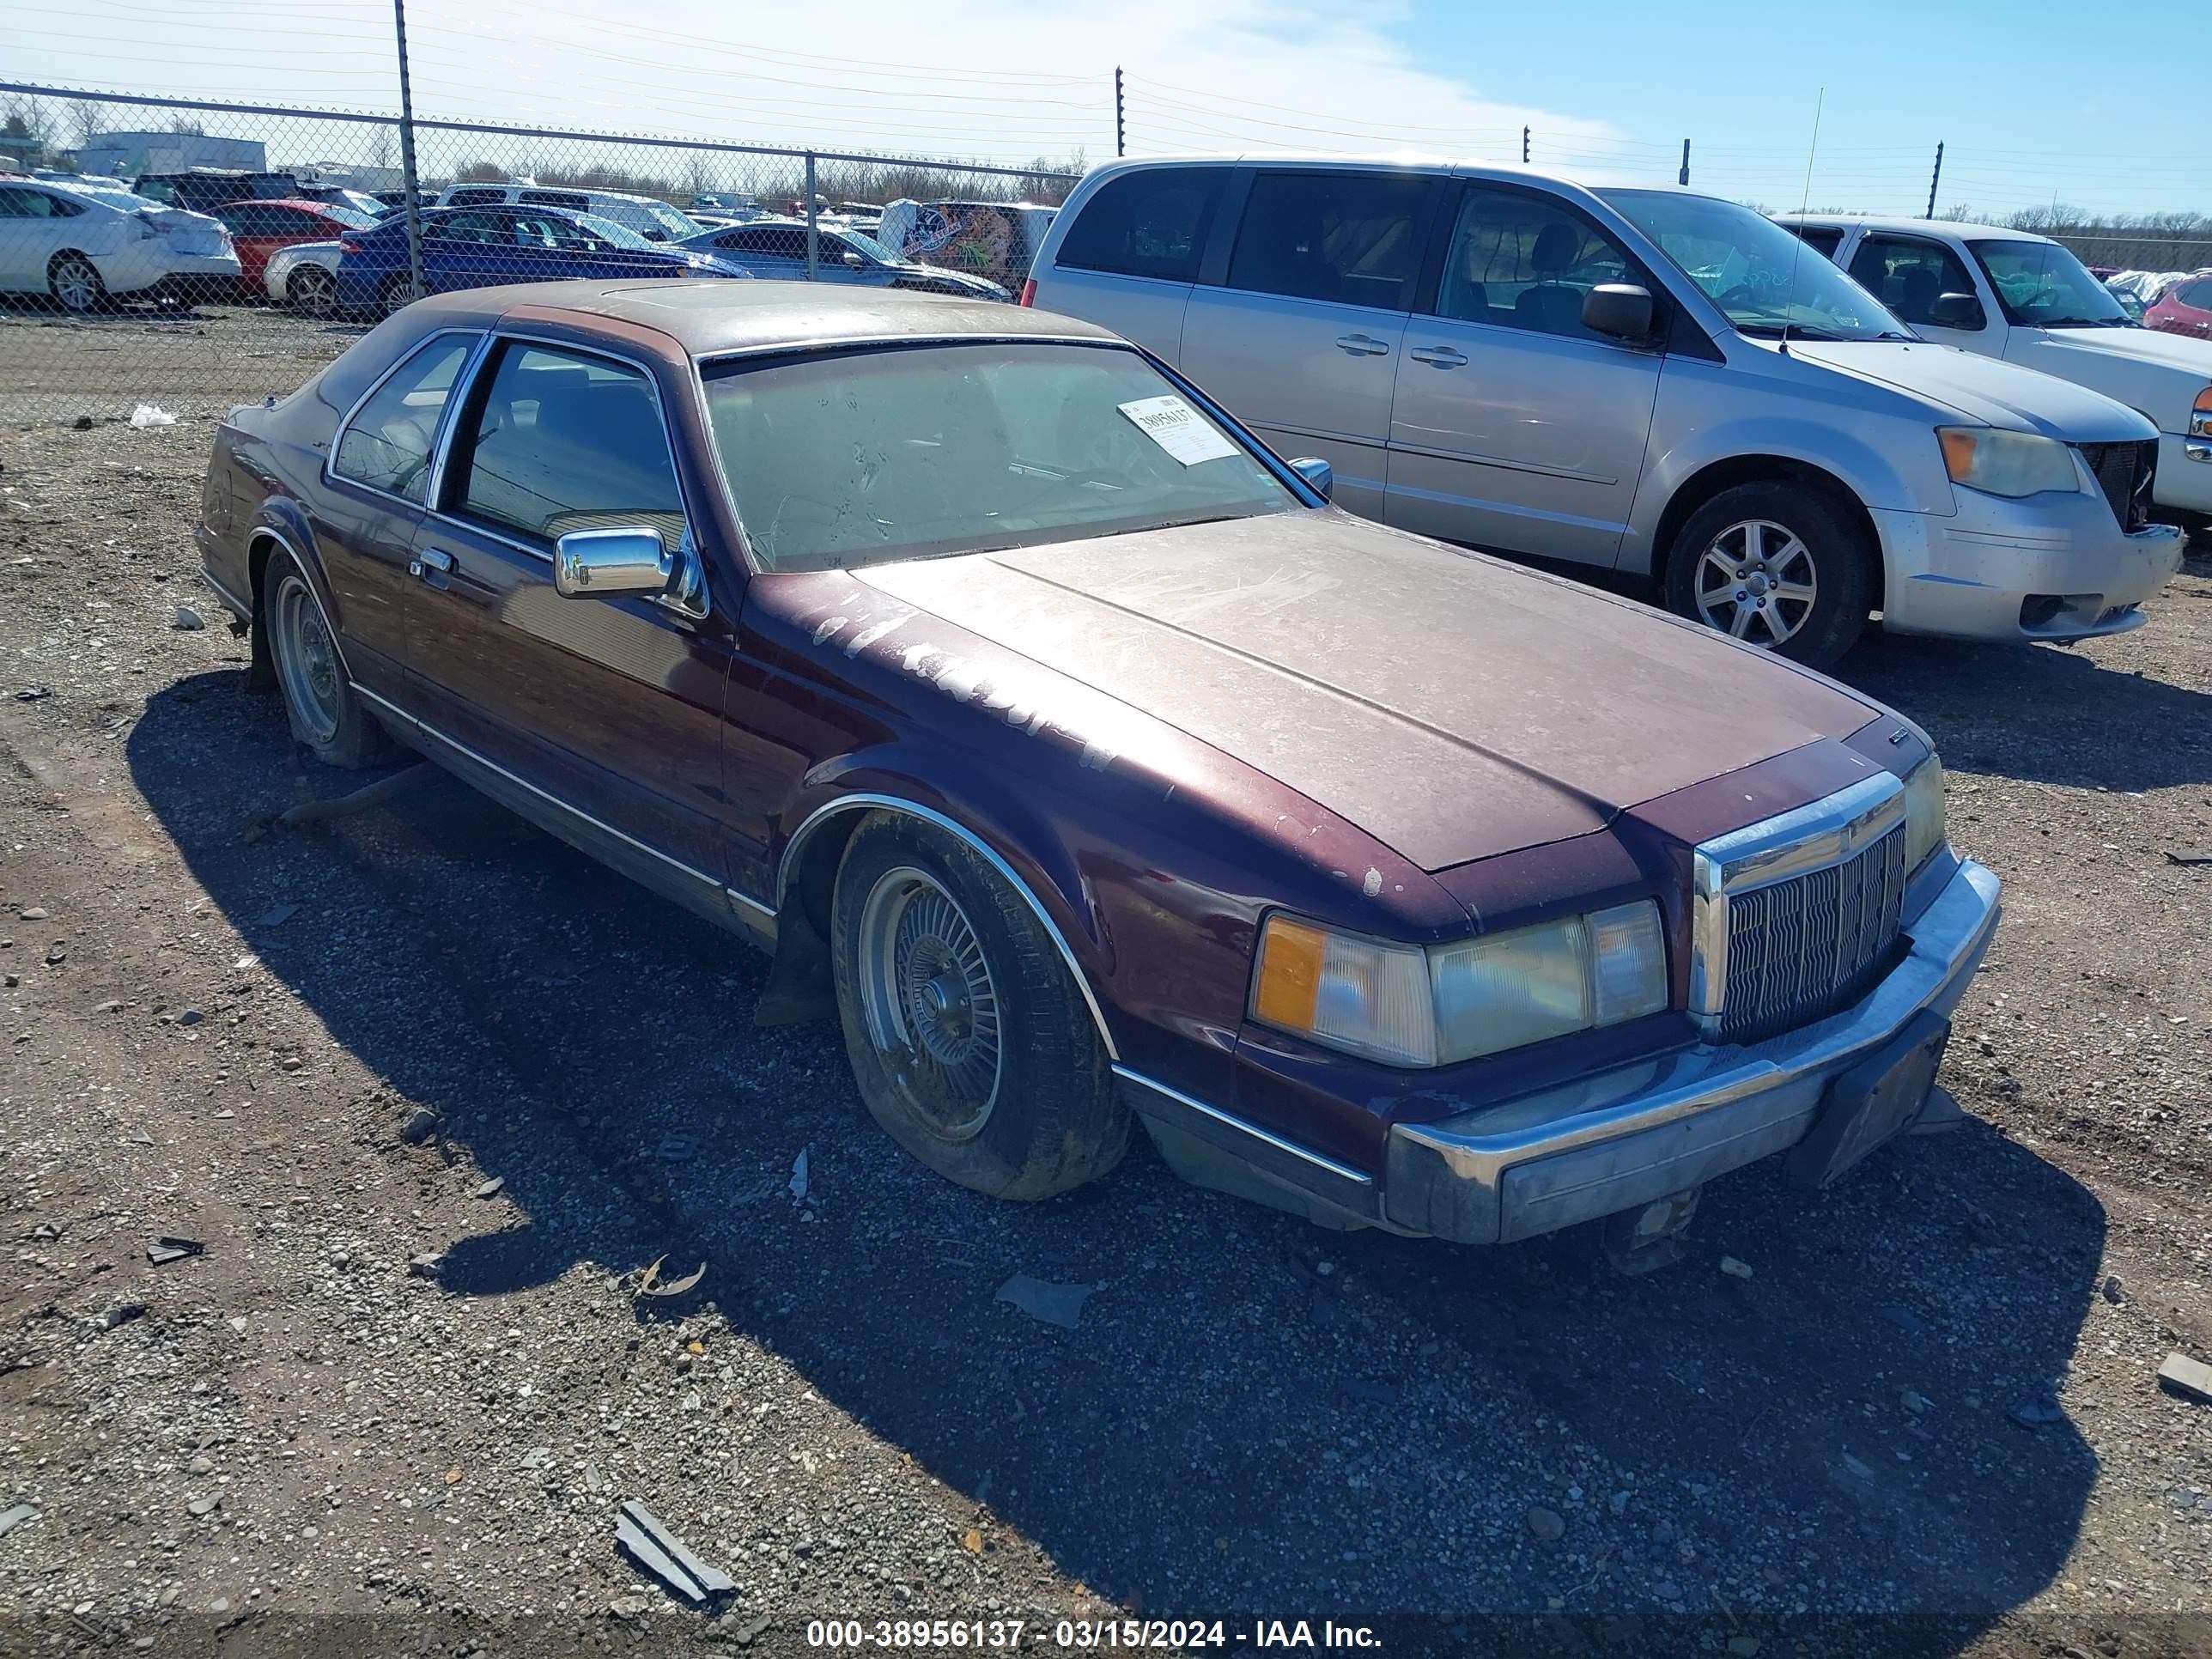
(1518, 260)
(1755, 271)
(1151, 222)
(844, 459)
(1909, 274)
(386, 445)
(1346, 237)
(565, 442)
(2043, 285)
(1823, 237)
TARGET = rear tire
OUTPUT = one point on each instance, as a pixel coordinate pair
(972, 1046)
(1780, 566)
(75, 284)
(324, 712)
(311, 291)
(393, 294)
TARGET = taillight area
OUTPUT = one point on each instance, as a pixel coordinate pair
(349, 244)
(1029, 293)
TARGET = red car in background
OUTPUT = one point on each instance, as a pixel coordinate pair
(257, 230)
(2184, 308)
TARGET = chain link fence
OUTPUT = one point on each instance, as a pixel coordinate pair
(194, 255)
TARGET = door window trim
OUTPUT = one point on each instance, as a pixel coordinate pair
(1668, 309)
(478, 370)
(463, 378)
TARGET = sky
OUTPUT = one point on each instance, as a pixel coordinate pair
(2035, 102)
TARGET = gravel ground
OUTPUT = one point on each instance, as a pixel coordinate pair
(194, 359)
(394, 1404)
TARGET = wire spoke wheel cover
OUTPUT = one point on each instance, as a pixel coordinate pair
(1756, 582)
(930, 1006)
(307, 660)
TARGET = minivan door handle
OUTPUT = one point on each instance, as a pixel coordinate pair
(1363, 345)
(1441, 356)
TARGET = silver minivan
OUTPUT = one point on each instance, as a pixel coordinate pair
(1644, 380)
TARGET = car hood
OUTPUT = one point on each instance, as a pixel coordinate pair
(1982, 389)
(2156, 372)
(1450, 705)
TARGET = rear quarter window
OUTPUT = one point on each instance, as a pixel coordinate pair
(1148, 223)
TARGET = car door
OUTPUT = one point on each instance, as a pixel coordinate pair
(610, 707)
(375, 487)
(1132, 253)
(29, 239)
(1915, 275)
(1513, 426)
(1301, 340)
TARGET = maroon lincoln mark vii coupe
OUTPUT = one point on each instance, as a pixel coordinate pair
(1071, 748)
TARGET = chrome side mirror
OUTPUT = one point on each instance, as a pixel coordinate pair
(1318, 472)
(593, 564)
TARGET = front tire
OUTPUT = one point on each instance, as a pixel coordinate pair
(311, 291)
(1780, 566)
(972, 1046)
(325, 713)
(75, 284)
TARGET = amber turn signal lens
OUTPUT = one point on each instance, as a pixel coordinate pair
(1290, 973)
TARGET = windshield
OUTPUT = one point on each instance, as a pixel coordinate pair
(1757, 272)
(608, 231)
(867, 457)
(2041, 285)
(675, 225)
(869, 245)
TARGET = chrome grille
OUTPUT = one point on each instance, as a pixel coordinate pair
(1800, 949)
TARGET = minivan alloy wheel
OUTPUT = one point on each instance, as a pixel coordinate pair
(1756, 582)
(930, 1006)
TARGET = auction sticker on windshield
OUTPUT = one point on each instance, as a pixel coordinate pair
(1175, 426)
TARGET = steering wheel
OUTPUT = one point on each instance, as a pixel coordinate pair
(1741, 293)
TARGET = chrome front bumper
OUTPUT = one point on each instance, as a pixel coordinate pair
(1631, 1136)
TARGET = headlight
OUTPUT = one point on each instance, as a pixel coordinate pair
(1408, 1006)
(1923, 812)
(2200, 415)
(2006, 463)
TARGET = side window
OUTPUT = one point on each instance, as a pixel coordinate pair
(1524, 261)
(1909, 275)
(1822, 239)
(1148, 223)
(2196, 295)
(1347, 237)
(562, 441)
(559, 198)
(775, 242)
(291, 222)
(480, 225)
(475, 198)
(247, 219)
(387, 444)
(14, 203)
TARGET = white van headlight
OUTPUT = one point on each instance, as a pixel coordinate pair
(2003, 463)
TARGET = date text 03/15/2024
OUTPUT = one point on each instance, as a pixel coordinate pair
(1109, 1635)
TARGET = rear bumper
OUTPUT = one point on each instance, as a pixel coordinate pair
(1630, 1136)
(2052, 567)
(148, 264)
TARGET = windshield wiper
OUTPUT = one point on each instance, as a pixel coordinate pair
(1789, 331)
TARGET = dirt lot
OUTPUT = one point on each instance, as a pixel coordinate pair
(1927, 1420)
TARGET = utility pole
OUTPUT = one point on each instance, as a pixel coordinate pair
(1524, 147)
(1685, 179)
(407, 157)
(1934, 179)
(1120, 146)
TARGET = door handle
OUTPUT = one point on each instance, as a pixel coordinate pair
(1441, 356)
(1363, 345)
(431, 564)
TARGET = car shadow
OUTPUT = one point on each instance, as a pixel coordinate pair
(1254, 1415)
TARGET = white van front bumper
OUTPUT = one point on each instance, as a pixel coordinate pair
(2051, 567)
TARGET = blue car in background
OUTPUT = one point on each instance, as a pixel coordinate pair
(485, 246)
(777, 247)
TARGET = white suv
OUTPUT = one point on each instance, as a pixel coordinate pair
(1644, 380)
(2013, 295)
(80, 245)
